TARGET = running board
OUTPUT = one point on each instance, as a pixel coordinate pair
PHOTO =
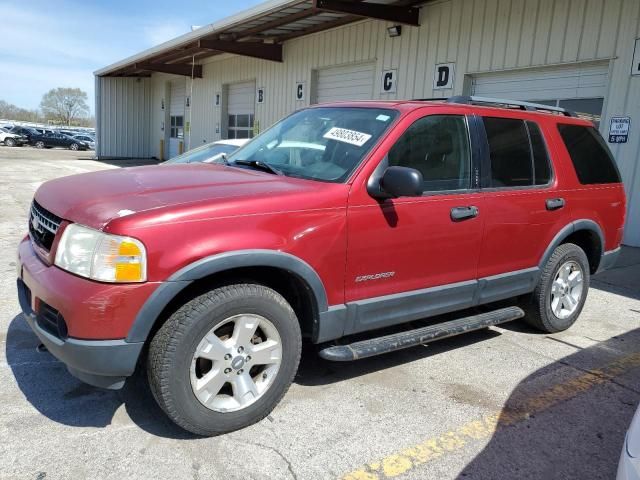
(411, 338)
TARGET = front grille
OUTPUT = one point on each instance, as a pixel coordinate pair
(43, 225)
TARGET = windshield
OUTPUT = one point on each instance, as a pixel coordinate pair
(324, 144)
(210, 153)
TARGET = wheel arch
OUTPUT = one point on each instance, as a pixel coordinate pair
(585, 233)
(291, 276)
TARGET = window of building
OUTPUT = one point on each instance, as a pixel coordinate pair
(587, 108)
(240, 125)
(509, 151)
(590, 155)
(438, 147)
(177, 127)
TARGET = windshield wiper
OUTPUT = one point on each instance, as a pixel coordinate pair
(259, 165)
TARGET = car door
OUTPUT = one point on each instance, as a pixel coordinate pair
(523, 205)
(412, 257)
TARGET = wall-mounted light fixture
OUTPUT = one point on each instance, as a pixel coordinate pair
(395, 31)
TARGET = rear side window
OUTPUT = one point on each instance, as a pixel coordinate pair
(541, 165)
(590, 155)
(509, 151)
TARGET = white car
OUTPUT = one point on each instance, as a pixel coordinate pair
(629, 466)
(209, 153)
(86, 139)
(11, 139)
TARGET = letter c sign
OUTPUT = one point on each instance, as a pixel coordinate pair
(300, 91)
(389, 81)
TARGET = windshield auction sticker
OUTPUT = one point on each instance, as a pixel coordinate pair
(347, 136)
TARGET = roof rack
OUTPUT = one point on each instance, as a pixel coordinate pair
(532, 107)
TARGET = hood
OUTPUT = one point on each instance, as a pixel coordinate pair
(95, 198)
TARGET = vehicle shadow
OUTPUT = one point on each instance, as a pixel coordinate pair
(55, 393)
(48, 386)
(567, 420)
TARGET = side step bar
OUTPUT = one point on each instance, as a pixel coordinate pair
(411, 338)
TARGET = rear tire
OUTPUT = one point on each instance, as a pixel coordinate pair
(10, 142)
(200, 368)
(74, 146)
(562, 289)
(39, 145)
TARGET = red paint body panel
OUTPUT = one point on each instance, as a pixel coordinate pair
(92, 310)
(183, 213)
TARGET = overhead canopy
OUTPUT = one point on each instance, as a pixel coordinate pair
(259, 33)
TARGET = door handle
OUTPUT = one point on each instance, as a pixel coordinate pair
(554, 203)
(463, 213)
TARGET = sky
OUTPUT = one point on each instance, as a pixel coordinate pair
(49, 44)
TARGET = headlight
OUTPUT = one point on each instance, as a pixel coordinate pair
(101, 256)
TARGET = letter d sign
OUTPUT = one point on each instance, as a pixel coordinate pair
(444, 76)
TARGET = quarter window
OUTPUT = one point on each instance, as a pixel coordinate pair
(438, 147)
(590, 155)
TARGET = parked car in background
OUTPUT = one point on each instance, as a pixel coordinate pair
(61, 140)
(209, 153)
(629, 466)
(26, 132)
(89, 140)
(11, 139)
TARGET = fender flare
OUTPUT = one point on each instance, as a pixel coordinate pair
(576, 226)
(167, 291)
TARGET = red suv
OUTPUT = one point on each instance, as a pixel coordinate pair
(341, 219)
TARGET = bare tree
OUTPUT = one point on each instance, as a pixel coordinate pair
(64, 104)
(9, 111)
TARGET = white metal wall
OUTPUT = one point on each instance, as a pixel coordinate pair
(479, 36)
(123, 117)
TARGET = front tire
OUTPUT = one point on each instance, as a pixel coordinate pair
(225, 359)
(74, 146)
(10, 142)
(559, 297)
(39, 145)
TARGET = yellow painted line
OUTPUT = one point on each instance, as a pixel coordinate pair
(454, 440)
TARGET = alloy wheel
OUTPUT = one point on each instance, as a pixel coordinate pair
(567, 289)
(236, 362)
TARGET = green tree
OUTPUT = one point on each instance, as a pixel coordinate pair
(65, 105)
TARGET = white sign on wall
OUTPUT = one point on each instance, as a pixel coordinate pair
(300, 91)
(619, 129)
(389, 81)
(444, 76)
(635, 68)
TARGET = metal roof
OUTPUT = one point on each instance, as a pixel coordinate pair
(258, 32)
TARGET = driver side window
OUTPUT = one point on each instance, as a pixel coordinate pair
(438, 147)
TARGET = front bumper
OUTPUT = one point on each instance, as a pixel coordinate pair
(81, 322)
(103, 363)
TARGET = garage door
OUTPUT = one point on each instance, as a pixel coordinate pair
(346, 82)
(578, 87)
(241, 109)
(176, 116)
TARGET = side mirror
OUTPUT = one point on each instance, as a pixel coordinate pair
(402, 182)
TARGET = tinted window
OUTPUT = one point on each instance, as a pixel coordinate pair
(509, 152)
(438, 147)
(541, 166)
(590, 155)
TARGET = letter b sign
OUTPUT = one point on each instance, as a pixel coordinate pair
(444, 76)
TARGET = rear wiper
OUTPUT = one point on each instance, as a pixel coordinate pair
(259, 165)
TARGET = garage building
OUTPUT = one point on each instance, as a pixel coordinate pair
(236, 77)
